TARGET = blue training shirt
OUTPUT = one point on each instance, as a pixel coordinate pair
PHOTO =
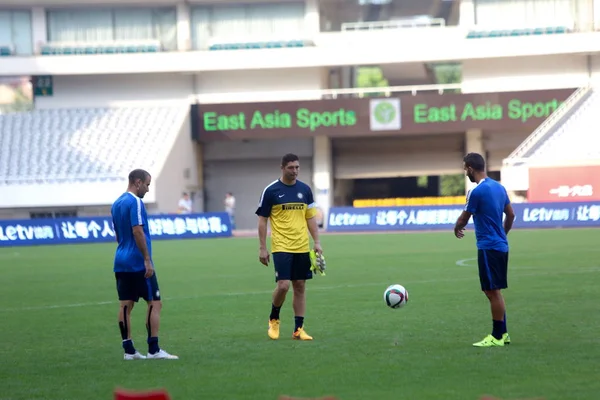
(486, 202)
(129, 211)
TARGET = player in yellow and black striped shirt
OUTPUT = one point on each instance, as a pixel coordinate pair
(288, 203)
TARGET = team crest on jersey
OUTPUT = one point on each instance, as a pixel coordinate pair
(300, 195)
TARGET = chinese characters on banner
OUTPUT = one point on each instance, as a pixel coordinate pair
(564, 184)
(100, 229)
(528, 215)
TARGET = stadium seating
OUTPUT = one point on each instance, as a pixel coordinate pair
(575, 139)
(6, 50)
(492, 33)
(91, 144)
(68, 48)
(219, 44)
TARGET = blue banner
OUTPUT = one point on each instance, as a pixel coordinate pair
(29, 232)
(528, 215)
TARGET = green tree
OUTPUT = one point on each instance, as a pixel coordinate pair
(448, 73)
(367, 77)
(452, 185)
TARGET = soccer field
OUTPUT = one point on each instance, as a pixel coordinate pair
(60, 338)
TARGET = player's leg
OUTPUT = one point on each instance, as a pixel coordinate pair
(491, 284)
(127, 297)
(283, 270)
(151, 293)
(300, 273)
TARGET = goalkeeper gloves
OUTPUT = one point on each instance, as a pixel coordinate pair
(317, 263)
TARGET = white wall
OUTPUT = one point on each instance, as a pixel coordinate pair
(105, 90)
(172, 180)
(524, 73)
(243, 86)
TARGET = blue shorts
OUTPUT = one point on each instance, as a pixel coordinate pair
(493, 269)
(133, 285)
(292, 266)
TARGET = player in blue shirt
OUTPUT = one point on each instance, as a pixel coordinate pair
(133, 267)
(486, 203)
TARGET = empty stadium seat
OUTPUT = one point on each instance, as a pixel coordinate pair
(6, 50)
(575, 139)
(220, 44)
(69, 48)
(491, 33)
(91, 144)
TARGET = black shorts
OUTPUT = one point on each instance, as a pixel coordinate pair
(493, 269)
(133, 285)
(292, 266)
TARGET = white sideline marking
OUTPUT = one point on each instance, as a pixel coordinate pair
(318, 288)
(465, 262)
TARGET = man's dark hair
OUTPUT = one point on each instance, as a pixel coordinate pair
(288, 158)
(475, 161)
(138, 174)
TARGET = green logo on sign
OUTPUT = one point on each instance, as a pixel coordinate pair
(384, 112)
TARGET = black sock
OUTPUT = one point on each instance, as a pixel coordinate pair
(274, 312)
(299, 322)
(153, 345)
(504, 330)
(128, 346)
(497, 329)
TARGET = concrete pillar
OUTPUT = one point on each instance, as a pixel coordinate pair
(39, 32)
(183, 27)
(467, 13)
(474, 144)
(312, 19)
(323, 175)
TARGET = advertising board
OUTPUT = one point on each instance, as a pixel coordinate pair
(100, 229)
(415, 218)
(404, 114)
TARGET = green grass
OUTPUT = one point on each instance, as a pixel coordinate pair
(60, 338)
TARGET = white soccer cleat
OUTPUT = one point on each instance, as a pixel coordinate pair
(136, 356)
(162, 355)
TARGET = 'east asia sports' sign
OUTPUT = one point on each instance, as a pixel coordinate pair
(405, 114)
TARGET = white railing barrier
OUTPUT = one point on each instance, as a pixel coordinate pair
(545, 127)
(329, 93)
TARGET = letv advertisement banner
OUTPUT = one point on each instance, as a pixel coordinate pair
(416, 218)
(100, 229)
(564, 184)
(404, 114)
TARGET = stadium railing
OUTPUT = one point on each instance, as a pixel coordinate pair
(546, 127)
(325, 93)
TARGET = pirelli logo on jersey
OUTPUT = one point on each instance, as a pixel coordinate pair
(293, 206)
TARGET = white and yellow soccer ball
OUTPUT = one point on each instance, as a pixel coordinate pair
(395, 296)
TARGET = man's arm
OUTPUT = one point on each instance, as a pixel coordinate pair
(264, 212)
(510, 218)
(137, 225)
(461, 222)
(311, 220)
(262, 232)
(313, 228)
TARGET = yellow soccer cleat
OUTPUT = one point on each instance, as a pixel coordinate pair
(301, 334)
(490, 341)
(273, 331)
(506, 338)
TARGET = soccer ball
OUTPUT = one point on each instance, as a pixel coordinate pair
(395, 296)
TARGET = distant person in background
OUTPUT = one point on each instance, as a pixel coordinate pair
(185, 204)
(229, 203)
